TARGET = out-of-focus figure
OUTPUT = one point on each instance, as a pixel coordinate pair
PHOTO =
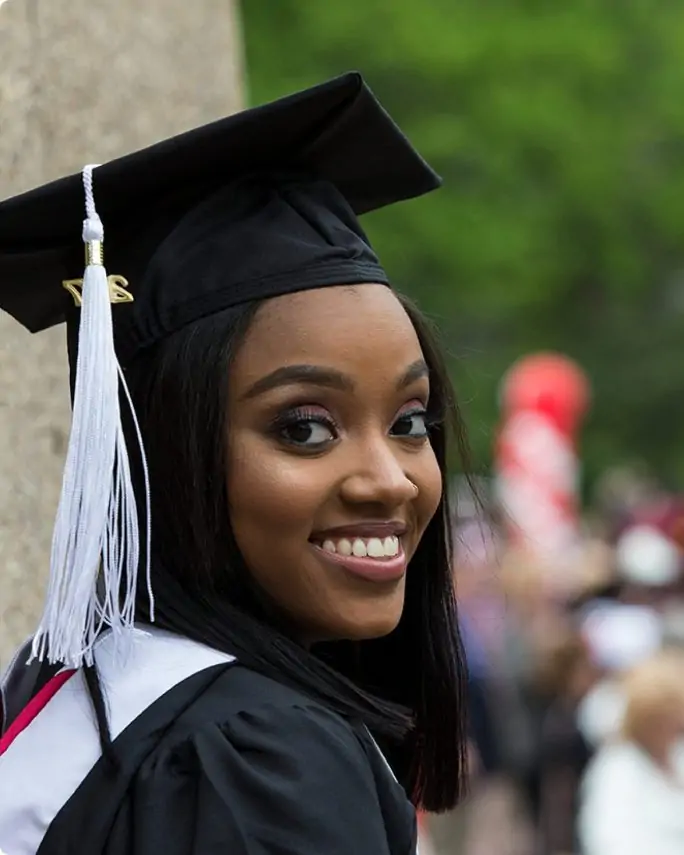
(567, 675)
(633, 794)
(500, 733)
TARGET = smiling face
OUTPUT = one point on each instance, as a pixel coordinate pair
(331, 476)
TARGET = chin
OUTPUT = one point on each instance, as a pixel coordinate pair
(376, 626)
(349, 619)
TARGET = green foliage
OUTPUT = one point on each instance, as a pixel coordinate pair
(559, 130)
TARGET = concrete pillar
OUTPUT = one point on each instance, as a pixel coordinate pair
(82, 82)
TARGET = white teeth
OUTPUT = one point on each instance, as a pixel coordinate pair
(373, 547)
(344, 547)
(391, 546)
(359, 548)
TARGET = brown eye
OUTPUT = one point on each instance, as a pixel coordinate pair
(307, 432)
(411, 425)
(305, 429)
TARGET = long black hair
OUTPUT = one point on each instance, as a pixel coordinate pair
(407, 688)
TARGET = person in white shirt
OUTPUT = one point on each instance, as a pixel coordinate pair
(632, 799)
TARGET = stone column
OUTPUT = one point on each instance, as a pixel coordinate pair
(82, 82)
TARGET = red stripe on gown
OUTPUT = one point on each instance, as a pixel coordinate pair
(33, 707)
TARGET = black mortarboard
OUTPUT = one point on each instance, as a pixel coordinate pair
(255, 205)
(303, 166)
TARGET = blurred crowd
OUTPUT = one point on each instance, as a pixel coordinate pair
(576, 683)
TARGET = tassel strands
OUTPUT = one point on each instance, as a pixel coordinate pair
(96, 541)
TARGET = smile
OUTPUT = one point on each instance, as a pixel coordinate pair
(373, 558)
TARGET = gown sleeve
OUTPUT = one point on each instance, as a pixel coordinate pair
(271, 781)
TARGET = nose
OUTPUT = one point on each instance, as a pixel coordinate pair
(377, 477)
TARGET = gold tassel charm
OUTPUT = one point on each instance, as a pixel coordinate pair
(118, 286)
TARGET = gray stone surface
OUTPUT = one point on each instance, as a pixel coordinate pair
(82, 82)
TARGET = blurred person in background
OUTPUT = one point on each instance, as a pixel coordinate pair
(481, 616)
(499, 727)
(534, 625)
(565, 677)
(548, 671)
(632, 798)
(637, 615)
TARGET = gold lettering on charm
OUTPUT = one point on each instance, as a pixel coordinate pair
(118, 292)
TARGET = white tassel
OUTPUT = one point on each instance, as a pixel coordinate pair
(96, 541)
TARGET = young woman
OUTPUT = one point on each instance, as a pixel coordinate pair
(294, 411)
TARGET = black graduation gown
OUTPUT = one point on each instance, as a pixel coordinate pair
(232, 763)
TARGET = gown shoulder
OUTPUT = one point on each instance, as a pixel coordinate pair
(249, 767)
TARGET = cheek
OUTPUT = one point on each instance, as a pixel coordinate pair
(272, 500)
(271, 493)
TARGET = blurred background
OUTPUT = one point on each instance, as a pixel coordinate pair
(552, 262)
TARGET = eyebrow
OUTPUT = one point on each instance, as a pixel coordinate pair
(415, 371)
(316, 375)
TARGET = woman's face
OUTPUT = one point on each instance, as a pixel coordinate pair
(331, 477)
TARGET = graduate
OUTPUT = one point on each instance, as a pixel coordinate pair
(249, 642)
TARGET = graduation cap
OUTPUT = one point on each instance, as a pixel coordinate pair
(259, 204)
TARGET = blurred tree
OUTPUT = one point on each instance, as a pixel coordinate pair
(559, 130)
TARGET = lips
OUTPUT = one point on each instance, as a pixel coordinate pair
(370, 569)
(372, 550)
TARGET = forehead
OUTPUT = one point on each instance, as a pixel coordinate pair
(355, 329)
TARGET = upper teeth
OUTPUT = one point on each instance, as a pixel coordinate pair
(361, 547)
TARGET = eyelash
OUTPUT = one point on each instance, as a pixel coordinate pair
(304, 415)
